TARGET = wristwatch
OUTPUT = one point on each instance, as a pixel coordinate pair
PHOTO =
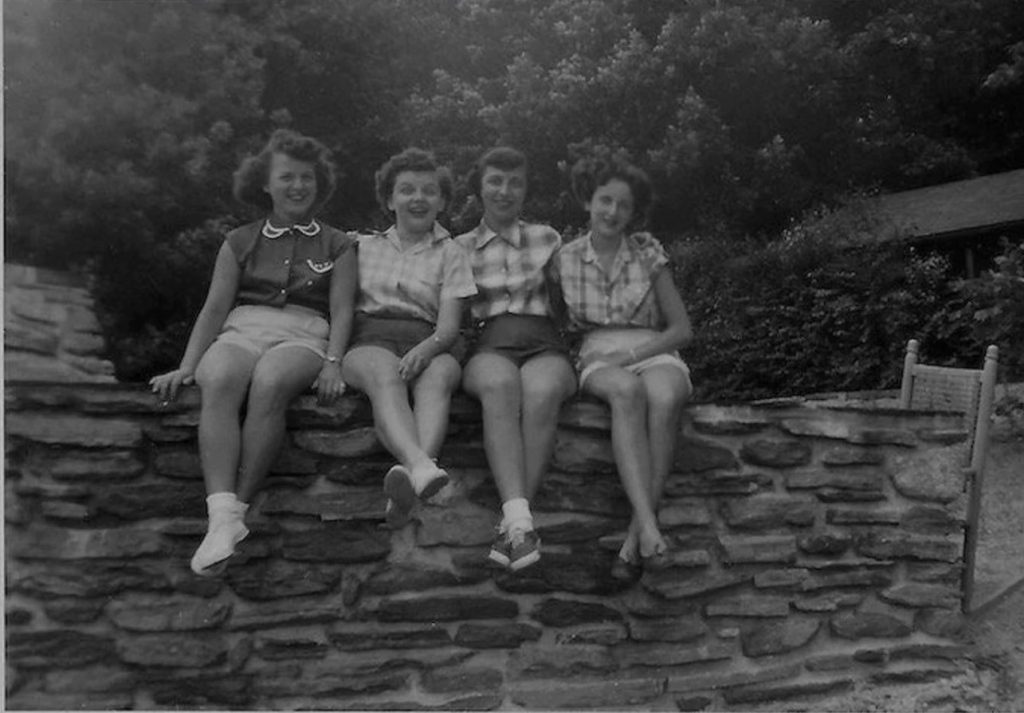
(331, 359)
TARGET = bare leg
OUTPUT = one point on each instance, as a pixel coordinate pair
(223, 376)
(432, 396)
(667, 392)
(627, 399)
(279, 377)
(374, 371)
(495, 381)
(547, 381)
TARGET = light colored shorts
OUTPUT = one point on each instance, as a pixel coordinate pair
(258, 329)
(606, 340)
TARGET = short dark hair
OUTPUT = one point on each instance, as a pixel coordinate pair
(254, 171)
(411, 159)
(504, 158)
(589, 174)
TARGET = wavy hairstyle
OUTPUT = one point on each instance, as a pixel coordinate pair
(504, 158)
(589, 174)
(254, 171)
(411, 159)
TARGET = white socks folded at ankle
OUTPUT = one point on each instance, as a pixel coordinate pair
(516, 515)
(225, 529)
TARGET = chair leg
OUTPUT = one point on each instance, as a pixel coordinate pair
(971, 531)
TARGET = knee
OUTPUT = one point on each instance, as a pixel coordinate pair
(627, 393)
(219, 380)
(670, 398)
(502, 386)
(546, 395)
(441, 375)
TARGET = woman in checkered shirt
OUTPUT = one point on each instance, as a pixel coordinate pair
(520, 369)
(263, 335)
(622, 303)
(413, 279)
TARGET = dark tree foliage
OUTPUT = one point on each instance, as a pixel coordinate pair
(125, 119)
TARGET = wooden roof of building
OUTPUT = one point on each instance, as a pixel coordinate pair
(977, 205)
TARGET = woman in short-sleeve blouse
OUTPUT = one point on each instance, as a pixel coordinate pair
(520, 368)
(622, 303)
(413, 279)
(276, 317)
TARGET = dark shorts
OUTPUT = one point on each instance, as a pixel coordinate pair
(395, 334)
(520, 337)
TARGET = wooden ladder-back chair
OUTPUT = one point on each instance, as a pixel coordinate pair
(970, 392)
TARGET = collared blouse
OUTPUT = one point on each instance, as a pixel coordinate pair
(621, 297)
(411, 282)
(287, 265)
(511, 269)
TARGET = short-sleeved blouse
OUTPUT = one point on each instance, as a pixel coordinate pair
(511, 268)
(287, 266)
(621, 297)
(411, 282)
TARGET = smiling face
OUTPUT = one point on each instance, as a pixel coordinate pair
(291, 185)
(611, 209)
(502, 192)
(416, 199)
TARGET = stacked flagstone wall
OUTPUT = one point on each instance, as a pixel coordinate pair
(816, 549)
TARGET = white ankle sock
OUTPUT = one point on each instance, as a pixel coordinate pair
(516, 515)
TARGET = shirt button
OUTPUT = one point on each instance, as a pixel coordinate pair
(287, 261)
(283, 290)
(310, 282)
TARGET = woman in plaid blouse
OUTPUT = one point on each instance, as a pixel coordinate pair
(621, 300)
(412, 281)
(520, 368)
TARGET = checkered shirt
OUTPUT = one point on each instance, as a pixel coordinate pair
(622, 297)
(411, 283)
(511, 269)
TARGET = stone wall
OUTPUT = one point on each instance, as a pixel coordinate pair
(50, 329)
(817, 548)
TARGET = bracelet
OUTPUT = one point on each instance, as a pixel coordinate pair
(331, 359)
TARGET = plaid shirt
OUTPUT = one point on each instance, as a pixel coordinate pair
(621, 297)
(411, 283)
(511, 269)
(287, 265)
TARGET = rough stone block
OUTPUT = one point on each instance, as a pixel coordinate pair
(575, 530)
(506, 635)
(688, 628)
(178, 463)
(919, 595)
(278, 579)
(829, 602)
(203, 691)
(62, 648)
(452, 608)
(854, 577)
(599, 634)
(177, 650)
(869, 482)
(785, 691)
(584, 695)
(337, 542)
(459, 525)
(85, 465)
(63, 544)
(282, 683)
(690, 512)
(91, 679)
(584, 572)
(771, 453)
(671, 585)
(568, 612)
(142, 501)
(862, 516)
(730, 679)
(694, 455)
(777, 637)
(353, 443)
(750, 605)
(944, 623)
(80, 431)
(766, 511)
(639, 602)
(780, 578)
(349, 637)
(934, 474)
(931, 520)
(546, 661)
(135, 612)
(671, 654)
(903, 545)
(290, 644)
(27, 700)
(462, 679)
(758, 550)
(715, 484)
(576, 453)
(74, 611)
(859, 625)
(842, 456)
(282, 614)
(830, 542)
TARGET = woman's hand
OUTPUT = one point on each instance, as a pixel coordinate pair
(166, 386)
(414, 362)
(329, 384)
